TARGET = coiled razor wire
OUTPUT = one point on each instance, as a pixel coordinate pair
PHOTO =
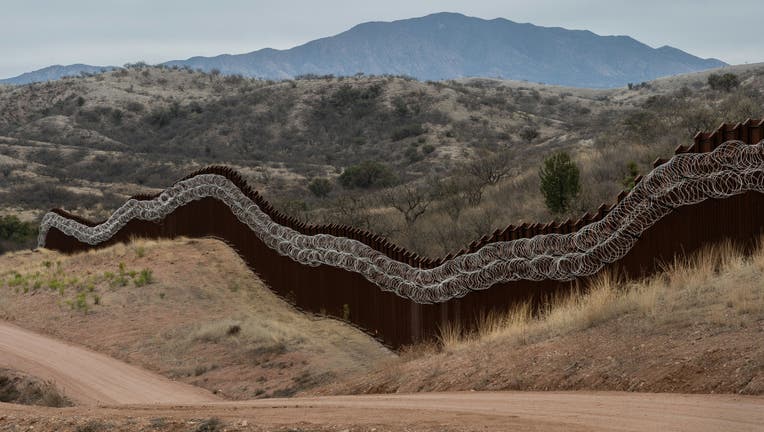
(732, 168)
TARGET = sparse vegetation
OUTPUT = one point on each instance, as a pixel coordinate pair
(708, 307)
(479, 140)
(21, 389)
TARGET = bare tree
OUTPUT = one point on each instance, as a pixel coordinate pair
(410, 200)
(490, 169)
(459, 192)
(352, 210)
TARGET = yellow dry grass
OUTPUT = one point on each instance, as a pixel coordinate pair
(719, 280)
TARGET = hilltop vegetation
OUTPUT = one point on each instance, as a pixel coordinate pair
(433, 165)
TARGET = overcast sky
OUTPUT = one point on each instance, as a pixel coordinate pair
(39, 33)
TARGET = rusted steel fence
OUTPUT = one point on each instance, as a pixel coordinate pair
(398, 321)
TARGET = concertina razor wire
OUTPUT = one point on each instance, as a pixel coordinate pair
(732, 168)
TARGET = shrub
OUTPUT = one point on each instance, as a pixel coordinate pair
(407, 131)
(725, 82)
(320, 187)
(13, 229)
(529, 134)
(367, 175)
(144, 278)
(559, 182)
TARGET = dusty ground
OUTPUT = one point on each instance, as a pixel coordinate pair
(113, 395)
(478, 411)
(87, 377)
(189, 310)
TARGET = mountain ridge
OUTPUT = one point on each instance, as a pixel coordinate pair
(447, 45)
(54, 72)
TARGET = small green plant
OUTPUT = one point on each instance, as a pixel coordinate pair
(161, 295)
(140, 251)
(55, 284)
(120, 279)
(146, 277)
(80, 302)
(96, 299)
(632, 173)
(346, 312)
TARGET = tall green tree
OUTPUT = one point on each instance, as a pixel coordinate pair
(559, 182)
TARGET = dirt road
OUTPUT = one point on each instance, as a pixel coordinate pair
(94, 379)
(87, 377)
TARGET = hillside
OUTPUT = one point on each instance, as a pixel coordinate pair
(188, 309)
(88, 143)
(451, 45)
(697, 328)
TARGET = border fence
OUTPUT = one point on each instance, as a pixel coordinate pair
(710, 191)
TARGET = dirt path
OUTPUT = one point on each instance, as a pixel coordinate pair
(430, 412)
(94, 379)
(87, 377)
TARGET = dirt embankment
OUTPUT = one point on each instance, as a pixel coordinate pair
(697, 328)
(189, 310)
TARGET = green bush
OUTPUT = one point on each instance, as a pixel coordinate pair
(367, 175)
(13, 229)
(320, 187)
(725, 82)
(559, 182)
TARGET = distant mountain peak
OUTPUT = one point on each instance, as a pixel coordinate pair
(449, 45)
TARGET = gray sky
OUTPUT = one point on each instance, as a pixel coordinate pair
(39, 33)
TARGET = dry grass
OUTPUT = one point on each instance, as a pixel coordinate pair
(718, 279)
(19, 388)
(695, 327)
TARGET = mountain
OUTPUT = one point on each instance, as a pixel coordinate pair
(451, 45)
(55, 72)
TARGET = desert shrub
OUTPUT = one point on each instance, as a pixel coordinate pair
(407, 131)
(13, 229)
(529, 133)
(367, 175)
(23, 390)
(135, 107)
(320, 187)
(725, 82)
